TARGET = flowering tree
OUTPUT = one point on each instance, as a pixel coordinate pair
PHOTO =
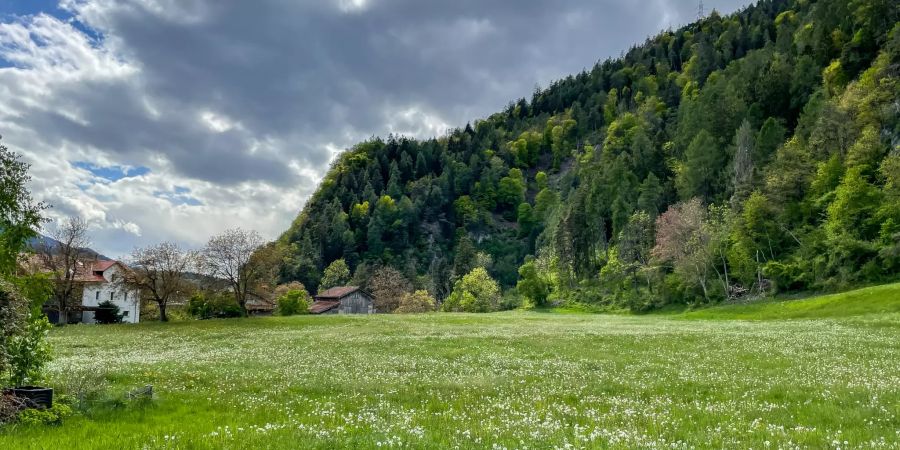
(681, 239)
(692, 238)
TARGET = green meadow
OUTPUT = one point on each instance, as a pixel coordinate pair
(817, 373)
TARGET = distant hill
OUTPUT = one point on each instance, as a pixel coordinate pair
(41, 240)
(597, 188)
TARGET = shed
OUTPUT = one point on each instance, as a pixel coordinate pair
(343, 300)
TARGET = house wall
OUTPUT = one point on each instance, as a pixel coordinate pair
(128, 301)
(357, 303)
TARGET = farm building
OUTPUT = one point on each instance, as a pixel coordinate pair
(343, 300)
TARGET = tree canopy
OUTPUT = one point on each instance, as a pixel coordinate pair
(776, 124)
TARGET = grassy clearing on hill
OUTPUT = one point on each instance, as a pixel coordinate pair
(509, 380)
(871, 300)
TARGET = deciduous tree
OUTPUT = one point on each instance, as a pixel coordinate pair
(336, 274)
(387, 285)
(63, 257)
(237, 256)
(159, 273)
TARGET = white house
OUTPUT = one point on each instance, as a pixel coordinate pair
(101, 283)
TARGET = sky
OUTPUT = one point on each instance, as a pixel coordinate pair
(174, 120)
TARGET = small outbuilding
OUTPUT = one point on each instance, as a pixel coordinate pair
(343, 300)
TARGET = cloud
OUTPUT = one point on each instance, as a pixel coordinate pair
(229, 112)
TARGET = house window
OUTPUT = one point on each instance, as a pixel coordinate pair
(110, 296)
(126, 296)
(97, 296)
(125, 313)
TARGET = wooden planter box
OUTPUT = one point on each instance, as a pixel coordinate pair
(34, 396)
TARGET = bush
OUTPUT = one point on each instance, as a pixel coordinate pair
(29, 353)
(293, 302)
(50, 416)
(512, 300)
(474, 292)
(13, 321)
(216, 304)
(108, 312)
(416, 302)
(532, 284)
(24, 350)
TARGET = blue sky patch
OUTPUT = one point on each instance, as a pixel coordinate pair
(112, 173)
(11, 10)
(24, 8)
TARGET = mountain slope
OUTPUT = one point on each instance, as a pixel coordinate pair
(782, 116)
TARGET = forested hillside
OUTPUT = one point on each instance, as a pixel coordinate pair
(740, 154)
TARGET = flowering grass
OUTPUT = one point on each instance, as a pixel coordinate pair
(507, 380)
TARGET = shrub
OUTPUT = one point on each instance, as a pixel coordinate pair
(209, 305)
(108, 312)
(512, 300)
(474, 292)
(416, 302)
(50, 416)
(13, 320)
(532, 284)
(24, 350)
(29, 353)
(293, 302)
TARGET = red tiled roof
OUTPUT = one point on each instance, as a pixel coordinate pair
(90, 279)
(337, 292)
(101, 266)
(92, 271)
(324, 306)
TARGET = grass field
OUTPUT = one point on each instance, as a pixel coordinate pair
(726, 377)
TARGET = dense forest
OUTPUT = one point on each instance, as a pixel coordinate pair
(744, 154)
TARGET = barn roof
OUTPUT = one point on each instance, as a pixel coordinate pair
(337, 292)
(323, 306)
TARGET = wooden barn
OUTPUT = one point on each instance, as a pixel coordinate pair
(343, 300)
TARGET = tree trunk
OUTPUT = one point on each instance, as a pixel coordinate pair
(725, 269)
(703, 285)
(758, 273)
(162, 312)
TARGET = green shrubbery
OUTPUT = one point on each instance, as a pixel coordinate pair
(108, 312)
(474, 292)
(416, 302)
(293, 302)
(61, 409)
(204, 305)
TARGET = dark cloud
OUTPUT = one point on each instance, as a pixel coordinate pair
(310, 73)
